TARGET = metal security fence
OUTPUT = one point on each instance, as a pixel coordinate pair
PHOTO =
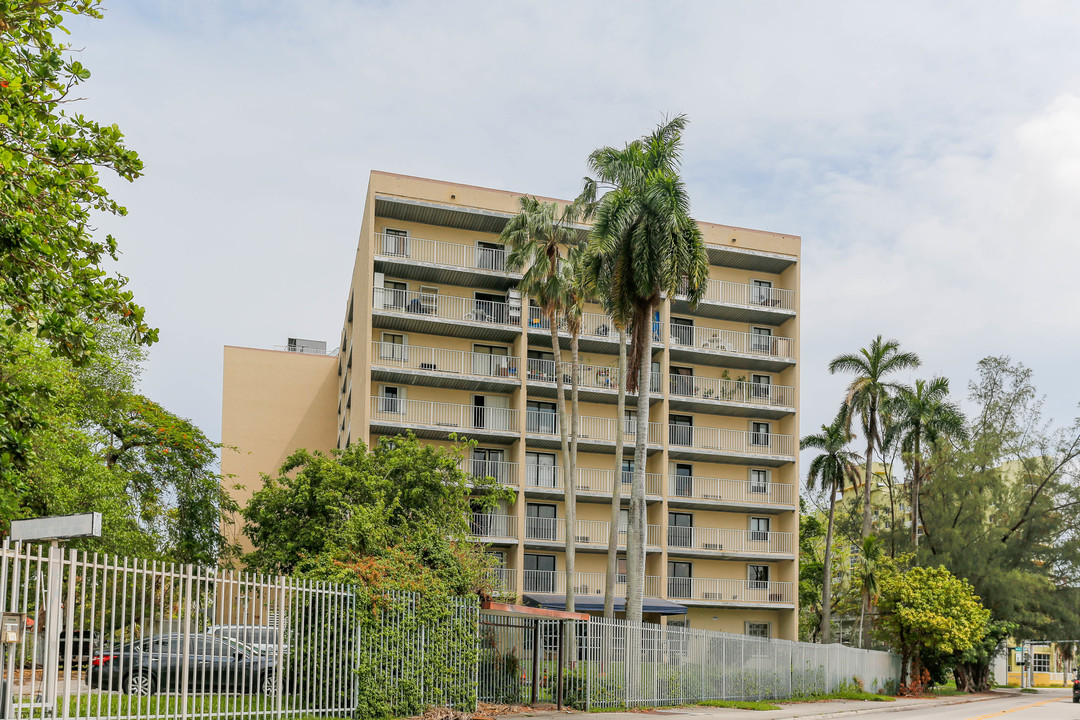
(614, 663)
(95, 636)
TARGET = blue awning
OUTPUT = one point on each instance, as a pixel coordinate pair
(595, 604)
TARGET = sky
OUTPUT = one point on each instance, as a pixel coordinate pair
(928, 154)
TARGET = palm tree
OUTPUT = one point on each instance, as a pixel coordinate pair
(643, 243)
(831, 471)
(540, 236)
(926, 416)
(865, 394)
(869, 574)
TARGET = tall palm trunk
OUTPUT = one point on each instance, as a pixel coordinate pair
(826, 584)
(616, 490)
(568, 482)
(571, 483)
(915, 478)
(868, 509)
(635, 542)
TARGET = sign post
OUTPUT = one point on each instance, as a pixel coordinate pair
(54, 529)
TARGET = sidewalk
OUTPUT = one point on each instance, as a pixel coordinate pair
(803, 711)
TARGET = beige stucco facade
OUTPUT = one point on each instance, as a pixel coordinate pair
(436, 339)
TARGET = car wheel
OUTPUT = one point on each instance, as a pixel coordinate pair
(139, 683)
(268, 683)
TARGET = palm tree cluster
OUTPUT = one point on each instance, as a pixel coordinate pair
(624, 242)
(892, 416)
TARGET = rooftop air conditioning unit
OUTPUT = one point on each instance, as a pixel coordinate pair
(316, 347)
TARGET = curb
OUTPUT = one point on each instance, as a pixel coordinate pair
(903, 708)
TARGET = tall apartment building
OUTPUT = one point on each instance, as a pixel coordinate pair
(437, 339)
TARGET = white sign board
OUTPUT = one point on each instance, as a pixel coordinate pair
(58, 527)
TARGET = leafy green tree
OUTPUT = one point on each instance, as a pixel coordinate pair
(358, 503)
(540, 237)
(831, 471)
(868, 389)
(811, 573)
(643, 243)
(928, 610)
(925, 417)
(52, 281)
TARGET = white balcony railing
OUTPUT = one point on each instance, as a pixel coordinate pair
(491, 525)
(446, 307)
(437, 252)
(734, 491)
(444, 415)
(598, 377)
(553, 581)
(734, 541)
(731, 293)
(505, 473)
(722, 390)
(503, 580)
(755, 592)
(586, 532)
(589, 428)
(738, 441)
(415, 357)
(704, 338)
(589, 480)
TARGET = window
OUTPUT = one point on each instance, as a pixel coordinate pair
(759, 434)
(541, 366)
(620, 571)
(682, 381)
(628, 472)
(761, 292)
(757, 577)
(681, 430)
(540, 470)
(393, 347)
(760, 340)
(630, 422)
(759, 481)
(624, 522)
(758, 630)
(684, 484)
(539, 573)
(680, 583)
(391, 400)
(540, 522)
(427, 303)
(488, 463)
(488, 307)
(491, 360)
(759, 529)
(490, 256)
(395, 242)
(760, 387)
(1040, 662)
(680, 530)
(394, 294)
(541, 417)
(682, 331)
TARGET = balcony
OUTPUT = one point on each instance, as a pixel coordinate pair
(596, 383)
(730, 397)
(588, 534)
(503, 582)
(504, 473)
(598, 333)
(592, 484)
(739, 302)
(594, 434)
(421, 312)
(414, 258)
(746, 259)
(750, 351)
(436, 367)
(740, 495)
(736, 593)
(436, 420)
(725, 543)
(553, 581)
(494, 529)
(734, 446)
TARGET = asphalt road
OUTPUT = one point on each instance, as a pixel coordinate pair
(1053, 704)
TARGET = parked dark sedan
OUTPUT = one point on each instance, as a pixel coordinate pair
(156, 664)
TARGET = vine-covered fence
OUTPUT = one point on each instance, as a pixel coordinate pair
(105, 637)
